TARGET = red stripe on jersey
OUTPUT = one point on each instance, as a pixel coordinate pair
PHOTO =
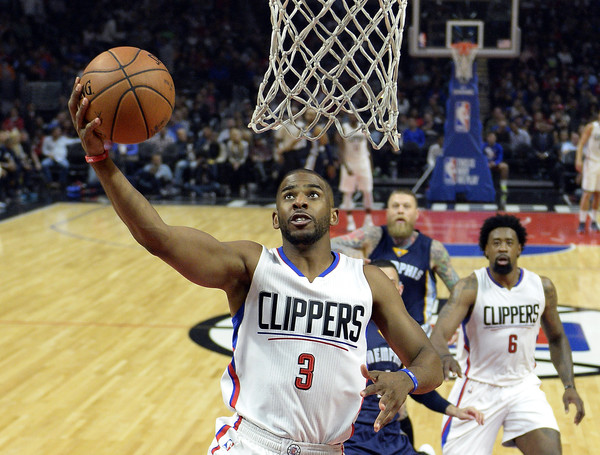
(449, 421)
(236, 385)
(305, 339)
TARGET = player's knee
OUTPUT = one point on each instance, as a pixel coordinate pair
(543, 441)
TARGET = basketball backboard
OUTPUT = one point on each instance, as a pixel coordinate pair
(491, 24)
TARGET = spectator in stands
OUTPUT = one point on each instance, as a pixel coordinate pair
(413, 137)
(236, 169)
(499, 168)
(435, 150)
(543, 157)
(263, 163)
(502, 132)
(211, 151)
(494, 120)
(403, 103)
(161, 141)
(13, 120)
(54, 150)
(154, 178)
(8, 168)
(520, 143)
(29, 168)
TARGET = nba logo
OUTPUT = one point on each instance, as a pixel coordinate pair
(462, 117)
(450, 171)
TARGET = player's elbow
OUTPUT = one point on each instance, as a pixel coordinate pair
(154, 241)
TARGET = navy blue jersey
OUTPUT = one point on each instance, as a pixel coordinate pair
(390, 440)
(413, 265)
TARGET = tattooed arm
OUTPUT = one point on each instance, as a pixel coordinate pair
(358, 244)
(560, 350)
(440, 264)
(453, 313)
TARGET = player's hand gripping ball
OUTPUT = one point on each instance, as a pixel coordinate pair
(131, 91)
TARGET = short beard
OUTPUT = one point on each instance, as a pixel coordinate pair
(306, 238)
(503, 269)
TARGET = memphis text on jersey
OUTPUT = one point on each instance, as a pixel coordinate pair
(293, 314)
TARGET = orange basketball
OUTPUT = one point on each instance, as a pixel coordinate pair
(131, 91)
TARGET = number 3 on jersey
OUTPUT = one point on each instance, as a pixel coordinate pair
(512, 344)
(307, 364)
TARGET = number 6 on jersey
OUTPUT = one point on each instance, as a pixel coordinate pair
(512, 343)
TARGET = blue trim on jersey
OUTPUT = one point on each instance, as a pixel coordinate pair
(336, 261)
(236, 321)
(465, 336)
(487, 269)
(446, 430)
(296, 335)
(290, 264)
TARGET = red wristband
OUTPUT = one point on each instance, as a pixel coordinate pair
(96, 158)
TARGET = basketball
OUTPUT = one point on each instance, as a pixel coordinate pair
(131, 91)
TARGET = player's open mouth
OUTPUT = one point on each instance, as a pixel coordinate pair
(300, 219)
(502, 260)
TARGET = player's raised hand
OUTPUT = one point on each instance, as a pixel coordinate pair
(392, 387)
(91, 142)
(572, 397)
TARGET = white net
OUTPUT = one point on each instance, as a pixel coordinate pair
(339, 58)
(463, 55)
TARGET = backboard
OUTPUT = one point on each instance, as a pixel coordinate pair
(491, 24)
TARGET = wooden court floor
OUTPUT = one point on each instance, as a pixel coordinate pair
(95, 353)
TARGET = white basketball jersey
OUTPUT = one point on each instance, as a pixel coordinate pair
(356, 148)
(497, 342)
(593, 143)
(298, 347)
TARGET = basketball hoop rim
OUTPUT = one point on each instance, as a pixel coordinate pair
(464, 47)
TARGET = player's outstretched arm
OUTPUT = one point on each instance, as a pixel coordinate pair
(358, 244)
(560, 350)
(195, 254)
(408, 341)
(451, 316)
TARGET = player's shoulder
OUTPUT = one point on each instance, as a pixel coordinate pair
(469, 282)
(547, 283)
(249, 250)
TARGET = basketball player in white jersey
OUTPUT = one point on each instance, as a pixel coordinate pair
(499, 309)
(356, 171)
(589, 166)
(300, 312)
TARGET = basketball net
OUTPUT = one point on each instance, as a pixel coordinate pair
(337, 57)
(464, 54)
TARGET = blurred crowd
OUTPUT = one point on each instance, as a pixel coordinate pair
(217, 52)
